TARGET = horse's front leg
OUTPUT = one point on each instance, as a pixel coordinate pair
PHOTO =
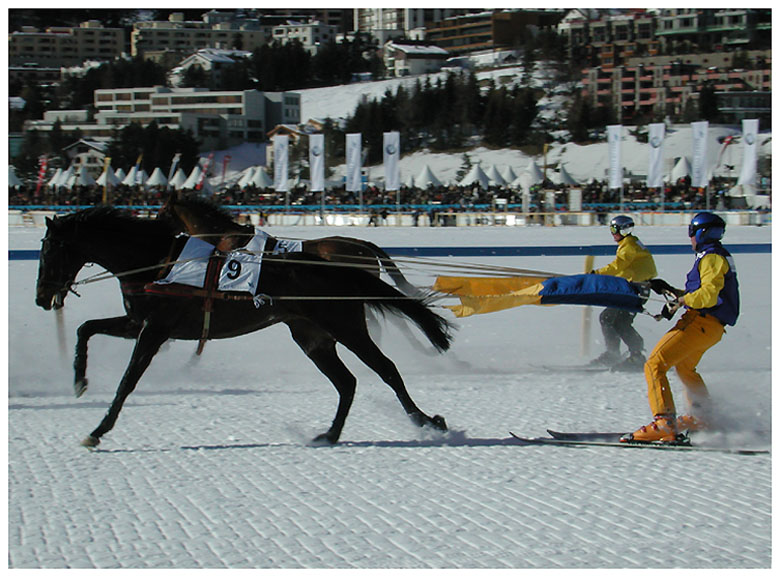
(150, 339)
(123, 327)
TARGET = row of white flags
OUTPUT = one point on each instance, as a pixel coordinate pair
(391, 156)
(700, 169)
(391, 148)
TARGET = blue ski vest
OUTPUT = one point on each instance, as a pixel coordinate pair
(727, 309)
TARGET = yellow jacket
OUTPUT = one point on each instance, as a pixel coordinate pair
(633, 261)
(712, 272)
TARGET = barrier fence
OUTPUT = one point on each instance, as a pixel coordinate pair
(260, 216)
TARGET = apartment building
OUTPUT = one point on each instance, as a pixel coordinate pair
(489, 29)
(61, 46)
(311, 35)
(654, 87)
(219, 119)
(386, 24)
(610, 37)
(215, 30)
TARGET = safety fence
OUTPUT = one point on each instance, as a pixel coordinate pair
(260, 216)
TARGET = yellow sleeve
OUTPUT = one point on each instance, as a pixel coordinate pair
(627, 252)
(712, 271)
(623, 258)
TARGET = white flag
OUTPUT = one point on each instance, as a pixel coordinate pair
(749, 152)
(281, 153)
(614, 135)
(655, 170)
(700, 169)
(391, 154)
(354, 164)
(317, 162)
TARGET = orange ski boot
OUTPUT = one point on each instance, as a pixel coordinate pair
(663, 429)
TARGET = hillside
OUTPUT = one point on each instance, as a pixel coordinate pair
(582, 162)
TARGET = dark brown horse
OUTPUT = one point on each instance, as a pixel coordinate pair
(199, 216)
(321, 305)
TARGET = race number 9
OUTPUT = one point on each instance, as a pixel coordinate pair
(234, 269)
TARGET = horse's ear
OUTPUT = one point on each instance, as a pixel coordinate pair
(49, 222)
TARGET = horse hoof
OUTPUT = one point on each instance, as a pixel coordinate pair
(323, 439)
(439, 423)
(80, 386)
(90, 442)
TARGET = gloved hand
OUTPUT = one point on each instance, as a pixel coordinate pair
(660, 286)
(671, 307)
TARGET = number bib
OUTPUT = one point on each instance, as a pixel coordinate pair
(241, 271)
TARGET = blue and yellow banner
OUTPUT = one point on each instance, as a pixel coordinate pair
(484, 295)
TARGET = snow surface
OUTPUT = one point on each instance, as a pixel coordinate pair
(209, 465)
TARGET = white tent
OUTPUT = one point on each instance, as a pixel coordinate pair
(193, 179)
(509, 174)
(141, 178)
(81, 178)
(535, 173)
(179, 178)
(55, 180)
(13, 180)
(476, 175)
(246, 178)
(120, 174)
(495, 177)
(563, 177)
(108, 178)
(132, 177)
(525, 181)
(65, 178)
(681, 169)
(426, 178)
(157, 178)
(261, 179)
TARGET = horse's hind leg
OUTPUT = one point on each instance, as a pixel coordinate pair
(149, 342)
(361, 344)
(321, 349)
(123, 327)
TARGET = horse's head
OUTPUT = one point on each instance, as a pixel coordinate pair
(168, 212)
(57, 267)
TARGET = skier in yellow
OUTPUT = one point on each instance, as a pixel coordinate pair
(634, 263)
(711, 302)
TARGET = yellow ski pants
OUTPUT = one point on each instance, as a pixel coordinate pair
(682, 348)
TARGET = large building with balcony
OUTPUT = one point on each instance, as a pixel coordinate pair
(490, 29)
(219, 119)
(656, 87)
(60, 46)
(311, 35)
(215, 30)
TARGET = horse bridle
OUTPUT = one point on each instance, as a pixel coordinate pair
(57, 287)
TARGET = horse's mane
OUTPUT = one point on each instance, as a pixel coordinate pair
(117, 219)
(208, 207)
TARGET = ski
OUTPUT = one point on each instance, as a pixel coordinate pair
(573, 368)
(609, 437)
(635, 445)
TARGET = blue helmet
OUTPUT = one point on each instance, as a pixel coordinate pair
(622, 225)
(706, 227)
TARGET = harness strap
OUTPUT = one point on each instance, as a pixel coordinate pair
(212, 273)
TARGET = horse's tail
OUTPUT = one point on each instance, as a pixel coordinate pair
(391, 268)
(385, 298)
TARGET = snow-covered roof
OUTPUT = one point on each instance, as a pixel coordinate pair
(417, 50)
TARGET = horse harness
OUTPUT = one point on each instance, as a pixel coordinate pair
(209, 292)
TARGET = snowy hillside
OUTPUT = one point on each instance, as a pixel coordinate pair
(582, 162)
